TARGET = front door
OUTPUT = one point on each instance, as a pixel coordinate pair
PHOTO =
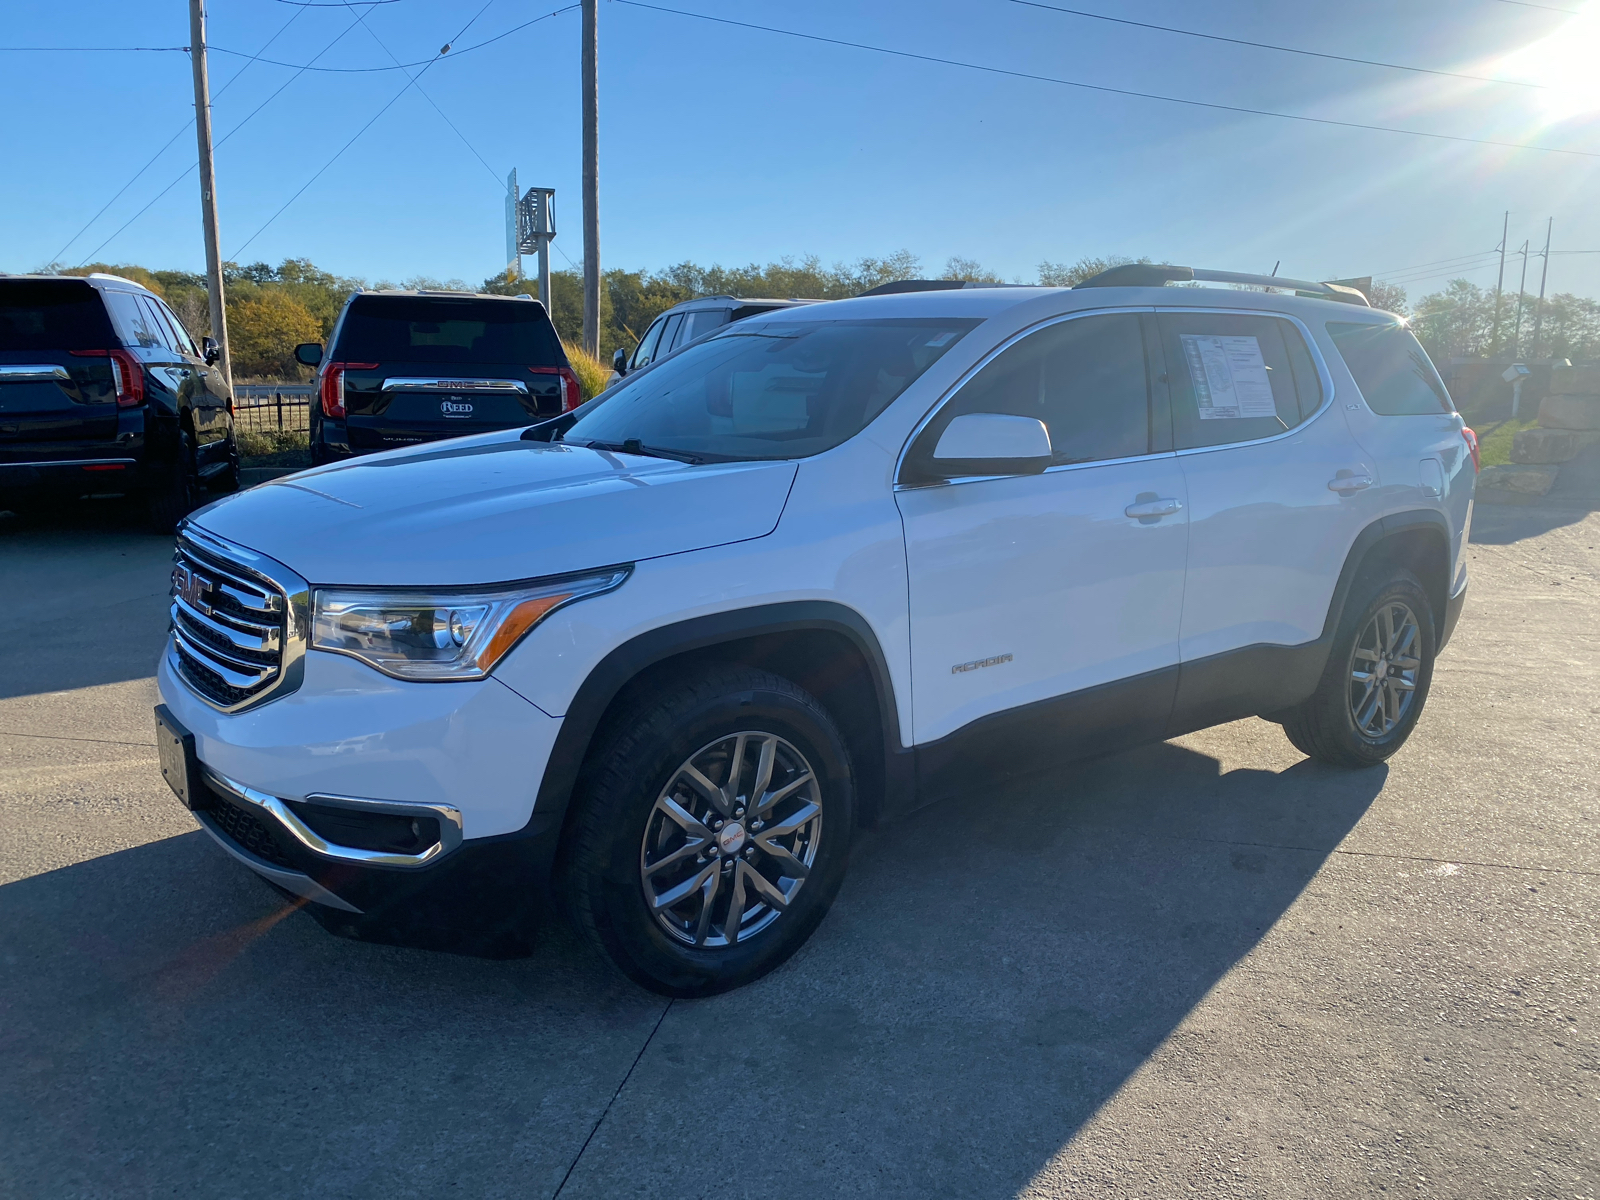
(1044, 609)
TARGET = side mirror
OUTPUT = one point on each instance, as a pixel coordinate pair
(619, 361)
(992, 444)
(308, 354)
(209, 351)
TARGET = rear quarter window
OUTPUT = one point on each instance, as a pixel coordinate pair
(1393, 371)
(50, 314)
(440, 329)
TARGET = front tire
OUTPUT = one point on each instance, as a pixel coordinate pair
(711, 831)
(1377, 678)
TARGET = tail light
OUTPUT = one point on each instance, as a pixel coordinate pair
(127, 374)
(332, 386)
(1472, 448)
(571, 395)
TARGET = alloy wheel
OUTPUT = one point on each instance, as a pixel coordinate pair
(1383, 670)
(731, 839)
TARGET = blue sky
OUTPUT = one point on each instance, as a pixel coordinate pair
(731, 145)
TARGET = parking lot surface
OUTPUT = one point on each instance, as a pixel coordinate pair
(1207, 967)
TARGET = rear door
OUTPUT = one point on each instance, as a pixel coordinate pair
(57, 398)
(1275, 485)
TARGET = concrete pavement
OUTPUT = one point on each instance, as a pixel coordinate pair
(1206, 967)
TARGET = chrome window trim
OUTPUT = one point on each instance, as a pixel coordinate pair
(448, 818)
(955, 389)
(1324, 376)
(431, 383)
(73, 462)
(294, 604)
(38, 372)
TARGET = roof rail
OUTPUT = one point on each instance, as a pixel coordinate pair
(1157, 274)
(929, 285)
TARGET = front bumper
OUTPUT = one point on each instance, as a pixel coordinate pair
(469, 756)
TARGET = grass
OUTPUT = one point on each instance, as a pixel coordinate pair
(1494, 442)
(274, 448)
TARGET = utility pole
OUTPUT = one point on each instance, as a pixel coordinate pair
(208, 186)
(1544, 275)
(1516, 337)
(1494, 338)
(591, 176)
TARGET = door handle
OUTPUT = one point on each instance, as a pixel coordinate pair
(1155, 508)
(1346, 482)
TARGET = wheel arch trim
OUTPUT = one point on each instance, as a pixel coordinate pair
(1428, 522)
(606, 680)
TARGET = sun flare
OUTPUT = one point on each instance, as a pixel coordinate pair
(1565, 63)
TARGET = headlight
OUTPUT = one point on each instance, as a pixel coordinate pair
(437, 635)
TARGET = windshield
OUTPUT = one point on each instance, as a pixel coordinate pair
(773, 390)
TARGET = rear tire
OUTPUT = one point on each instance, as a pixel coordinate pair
(178, 495)
(754, 739)
(1377, 678)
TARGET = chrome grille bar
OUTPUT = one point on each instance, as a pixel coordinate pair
(238, 622)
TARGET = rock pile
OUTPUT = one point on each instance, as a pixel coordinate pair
(1569, 422)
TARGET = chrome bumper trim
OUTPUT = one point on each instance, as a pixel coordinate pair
(76, 462)
(449, 820)
(289, 881)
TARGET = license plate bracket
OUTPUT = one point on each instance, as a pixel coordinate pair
(179, 766)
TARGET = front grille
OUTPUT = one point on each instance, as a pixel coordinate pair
(247, 830)
(229, 627)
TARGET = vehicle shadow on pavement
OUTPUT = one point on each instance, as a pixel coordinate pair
(88, 605)
(995, 969)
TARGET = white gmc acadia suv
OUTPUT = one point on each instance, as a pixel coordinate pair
(658, 658)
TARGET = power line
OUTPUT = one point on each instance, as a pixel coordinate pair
(410, 83)
(1096, 87)
(1213, 37)
(1571, 12)
(1438, 262)
(94, 49)
(448, 48)
(165, 146)
(373, 34)
(184, 174)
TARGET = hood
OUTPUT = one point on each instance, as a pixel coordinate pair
(495, 508)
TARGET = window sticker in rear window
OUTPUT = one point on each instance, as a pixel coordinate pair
(1229, 376)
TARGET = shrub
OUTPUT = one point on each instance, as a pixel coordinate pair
(591, 372)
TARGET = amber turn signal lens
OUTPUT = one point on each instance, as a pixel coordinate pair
(521, 619)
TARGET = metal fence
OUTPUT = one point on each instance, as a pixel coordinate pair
(269, 407)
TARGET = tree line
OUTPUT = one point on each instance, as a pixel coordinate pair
(272, 309)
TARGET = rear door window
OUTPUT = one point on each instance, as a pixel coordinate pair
(442, 329)
(1084, 378)
(1236, 378)
(1391, 368)
(52, 314)
(698, 324)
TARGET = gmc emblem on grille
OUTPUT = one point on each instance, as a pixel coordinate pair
(191, 588)
(455, 408)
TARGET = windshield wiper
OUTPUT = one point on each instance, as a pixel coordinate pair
(635, 446)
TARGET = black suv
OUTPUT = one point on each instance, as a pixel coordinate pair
(407, 367)
(102, 390)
